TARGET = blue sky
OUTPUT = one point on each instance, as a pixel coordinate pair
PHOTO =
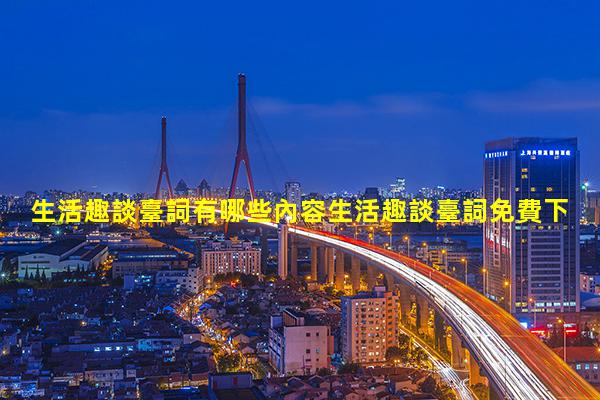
(349, 94)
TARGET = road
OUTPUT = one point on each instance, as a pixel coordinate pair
(445, 370)
(518, 363)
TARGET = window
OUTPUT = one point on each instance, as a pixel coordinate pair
(307, 351)
(307, 334)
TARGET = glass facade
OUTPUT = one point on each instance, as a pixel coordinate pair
(533, 265)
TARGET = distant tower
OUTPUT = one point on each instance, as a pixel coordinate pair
(282, 253)
(163, 162)
(242, 149)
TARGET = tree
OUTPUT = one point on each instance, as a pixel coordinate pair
(229, 362)
(444, 392)
(348, 368)
(323, 372)
(429, 385)
(397, 354)
(418, 356)
(403, 341)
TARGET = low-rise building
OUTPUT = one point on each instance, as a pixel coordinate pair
(229, 256)
(153, 259)
(298, 345)
(589, 282)
(585, 360)
(188, 279)
(67, 255)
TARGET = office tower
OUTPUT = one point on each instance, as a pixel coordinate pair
(369, 325)
(293, 193)
(398, 188)
(204, 189)
(181, 189)
(533, 265)
(371, 193)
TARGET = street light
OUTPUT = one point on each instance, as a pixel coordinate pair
(484, 273)
(445, 259)
(425, 252)
(390, 236)
(406, 238)
(532, 302)
(564, 328)
(465, 261)
(508, 286)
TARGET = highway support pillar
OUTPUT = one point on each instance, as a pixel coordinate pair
(293, 257)
(389, 281)
(371, 276)
(439, 331)
(314, 258)
(457, 351)
(322, 267)
(475, 375)
(405, 303)
(329, 261)
(422, 315)
(340, 272)
(355, 274)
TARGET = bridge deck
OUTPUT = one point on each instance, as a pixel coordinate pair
(558, 379)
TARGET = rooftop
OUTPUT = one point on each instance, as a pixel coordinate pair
(580, 354)
(61, 247)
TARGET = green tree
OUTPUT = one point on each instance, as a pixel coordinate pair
(348, 368)
(418, 356)
(429, 385)
(397, 354)
(229, 362)
(403, 341)
(444, 392)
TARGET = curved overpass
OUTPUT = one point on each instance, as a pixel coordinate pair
(518, 363)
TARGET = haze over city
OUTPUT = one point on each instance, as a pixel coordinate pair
(339, 96)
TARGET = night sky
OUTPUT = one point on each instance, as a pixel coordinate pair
(342, 95)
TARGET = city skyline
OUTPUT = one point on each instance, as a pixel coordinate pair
(430, 93)
(318, 200)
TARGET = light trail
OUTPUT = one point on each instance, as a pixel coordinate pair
(444, 369)
(507, 369)
(518, 364)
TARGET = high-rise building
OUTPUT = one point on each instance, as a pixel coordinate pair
(398, 188)
(293, 193)
(369, 325)
(593, 207)
(204, 189)
(298, 344)
(181, 189)
(533, 265)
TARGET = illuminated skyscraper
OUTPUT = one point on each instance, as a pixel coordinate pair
(293, 193)
(398, 188)
(533, 266)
